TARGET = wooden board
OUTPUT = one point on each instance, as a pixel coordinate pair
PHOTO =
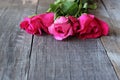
(15, 44)
(109, 10)
(27, 57)
(71, 59)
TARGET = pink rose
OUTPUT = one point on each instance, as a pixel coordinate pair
(31, 25)
(38, 23)
(61, 28)
(46, 20)
(74, 23)
(91, 27)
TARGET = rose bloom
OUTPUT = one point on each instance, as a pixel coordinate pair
(74, 23)
(31, 25)
(47, 20)
(91, 27)
(61, 28)
(35, 24)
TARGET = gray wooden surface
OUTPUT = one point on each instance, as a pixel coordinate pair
(27, 57)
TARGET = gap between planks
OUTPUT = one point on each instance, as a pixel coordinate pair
(107, 53)
(31, 47)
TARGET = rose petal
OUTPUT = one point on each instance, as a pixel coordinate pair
(61, 29)
(91, 27)
(62, 19)
(104, 26)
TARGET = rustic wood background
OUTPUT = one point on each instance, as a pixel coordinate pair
(27, 57)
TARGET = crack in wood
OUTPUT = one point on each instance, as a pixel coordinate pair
(32, 43)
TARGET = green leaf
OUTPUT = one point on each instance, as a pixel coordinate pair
(84, 1)
(70, 8)
(85, 5)
(93, 6)
(54, 7)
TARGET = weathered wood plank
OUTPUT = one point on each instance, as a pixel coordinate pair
(15, 44)
(71, 59)
(109, 10)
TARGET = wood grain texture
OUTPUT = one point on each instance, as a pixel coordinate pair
(48, 59)
(109, 10)
(71, 59)
(15, 44)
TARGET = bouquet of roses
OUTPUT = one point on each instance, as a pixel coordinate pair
(67, 18)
